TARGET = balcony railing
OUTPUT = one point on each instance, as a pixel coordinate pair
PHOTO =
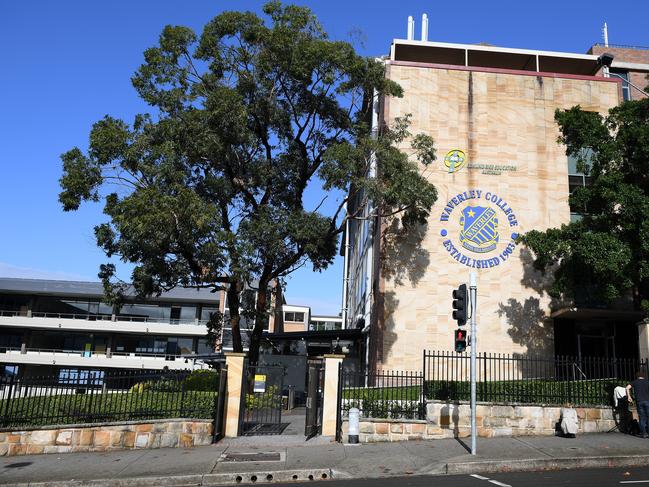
(88, 354)
(99, 317)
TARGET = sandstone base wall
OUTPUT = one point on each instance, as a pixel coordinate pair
(166, 433)
(454, 421)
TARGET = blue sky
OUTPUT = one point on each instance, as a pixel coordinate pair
(68, 63)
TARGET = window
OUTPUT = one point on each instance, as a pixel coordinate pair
(179, 346)
(577, 179)
(9, 371)
(208, 311)
(294, 316)
(318, 325)
(204, 346)
(72, 308)
(626, 89)
(81, 377)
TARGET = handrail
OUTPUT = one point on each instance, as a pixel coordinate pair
(93, 353)
(103, 317)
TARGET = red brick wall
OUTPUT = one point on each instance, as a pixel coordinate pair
(628, 55)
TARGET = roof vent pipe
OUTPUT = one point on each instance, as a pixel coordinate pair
(605, 34)
(411, 28)
(424, 27)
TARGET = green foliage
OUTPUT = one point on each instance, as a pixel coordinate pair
(550, 392)
(209, 189)
(271, 398)
(385, 402)
(605, 255)
(202, 380)
(139, 403)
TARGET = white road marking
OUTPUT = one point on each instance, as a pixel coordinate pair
(480, 477)
(634, 481)
(499, 483)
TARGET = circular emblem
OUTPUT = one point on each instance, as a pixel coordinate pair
(455, 160)
(479, 229)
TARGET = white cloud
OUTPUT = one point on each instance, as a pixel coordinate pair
(10, 270)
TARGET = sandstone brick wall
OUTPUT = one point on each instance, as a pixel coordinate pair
(167, 433)
(496, 119)
(453, 420)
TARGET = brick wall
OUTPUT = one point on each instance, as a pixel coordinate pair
(624, 54)
(628, 55)
(166, 433)
(453, 421)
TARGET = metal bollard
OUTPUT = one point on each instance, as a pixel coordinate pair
(354, 418)
(291, 398)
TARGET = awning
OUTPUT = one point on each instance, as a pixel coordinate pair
(347, 334)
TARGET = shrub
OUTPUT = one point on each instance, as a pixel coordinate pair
(202, 380)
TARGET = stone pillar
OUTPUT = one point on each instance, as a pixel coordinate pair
(330, 399)
(235, 363)
(643, 339)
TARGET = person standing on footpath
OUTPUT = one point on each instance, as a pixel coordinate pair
(640, 388)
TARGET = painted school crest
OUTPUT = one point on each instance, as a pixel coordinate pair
(479, 229)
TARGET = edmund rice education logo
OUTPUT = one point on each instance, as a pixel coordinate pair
(455, 160)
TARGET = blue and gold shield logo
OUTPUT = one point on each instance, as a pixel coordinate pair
(479, 229)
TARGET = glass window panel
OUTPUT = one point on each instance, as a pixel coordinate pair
(14, 303)
(185, 345)
(207, 311)
(204, 346)
(146, 311)
(160, 345)
(188, 313)
(575, 182)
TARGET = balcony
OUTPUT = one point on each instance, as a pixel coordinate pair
(82, 358)
(99, 322)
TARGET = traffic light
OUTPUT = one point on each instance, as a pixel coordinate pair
(460, 340)
(460, 302)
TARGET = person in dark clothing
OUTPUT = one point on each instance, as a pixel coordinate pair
(640, 388)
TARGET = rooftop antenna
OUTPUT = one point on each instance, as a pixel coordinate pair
(411, 28)
(424, 27)
(605, 34)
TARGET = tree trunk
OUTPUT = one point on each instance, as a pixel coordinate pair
(261, 320)
(233, 294)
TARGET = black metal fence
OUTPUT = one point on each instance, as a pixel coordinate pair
(507, 379)
(384, 394)
(100, 396)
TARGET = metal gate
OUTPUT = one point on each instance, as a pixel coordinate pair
(219, 404)
(315, 388)
(262, 400)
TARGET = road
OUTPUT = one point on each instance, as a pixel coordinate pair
(574, 478)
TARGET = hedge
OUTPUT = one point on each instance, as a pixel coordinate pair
(578, 393)
(102, 407)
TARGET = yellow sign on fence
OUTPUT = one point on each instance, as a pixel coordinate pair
(260, 383)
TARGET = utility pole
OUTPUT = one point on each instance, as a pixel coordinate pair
(473, 300)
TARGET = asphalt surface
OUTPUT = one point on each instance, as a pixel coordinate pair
(575, 478)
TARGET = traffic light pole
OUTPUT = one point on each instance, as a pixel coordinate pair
(473, 293)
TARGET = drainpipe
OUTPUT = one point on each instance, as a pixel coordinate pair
(345, 269)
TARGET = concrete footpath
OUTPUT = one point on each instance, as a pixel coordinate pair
(270, 459)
